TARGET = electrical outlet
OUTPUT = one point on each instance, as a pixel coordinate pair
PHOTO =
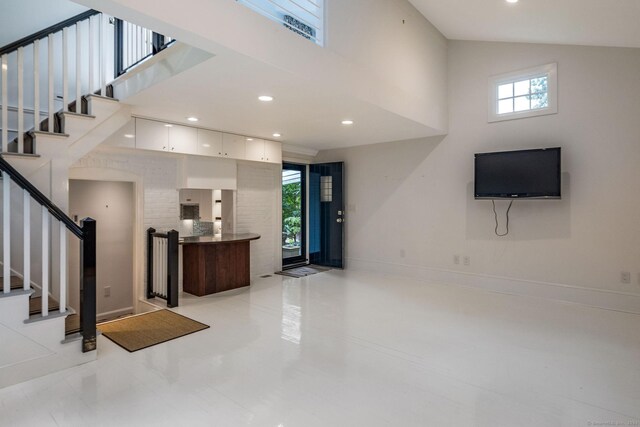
(107, 291)
(625, 277)
(466, 260)
(456, 259)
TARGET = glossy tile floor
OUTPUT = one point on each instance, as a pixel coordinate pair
(354, 349)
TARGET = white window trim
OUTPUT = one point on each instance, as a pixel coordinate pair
(549, 70)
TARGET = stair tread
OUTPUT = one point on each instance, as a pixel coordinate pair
(16, 282)
(35, 305)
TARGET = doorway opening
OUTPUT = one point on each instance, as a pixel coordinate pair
(313, 216)
(112, 205)
(294, 221)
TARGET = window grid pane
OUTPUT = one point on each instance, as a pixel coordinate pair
(505, 91)
(523, 95)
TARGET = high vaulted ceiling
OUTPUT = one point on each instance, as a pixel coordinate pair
(579, 22)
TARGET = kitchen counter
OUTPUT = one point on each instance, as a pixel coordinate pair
(213, 264)
(225, 238)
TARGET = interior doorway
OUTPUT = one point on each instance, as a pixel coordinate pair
(294, 217)
(112, 205)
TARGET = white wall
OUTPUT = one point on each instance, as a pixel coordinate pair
(112, 205)
(393, 42)
(369, 53)
(259, 210)
(25, 17)
(411, 203)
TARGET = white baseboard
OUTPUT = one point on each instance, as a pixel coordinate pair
(599, 298)
(107, 315)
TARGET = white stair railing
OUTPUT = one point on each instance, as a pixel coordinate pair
(51, 214)
(67, 67)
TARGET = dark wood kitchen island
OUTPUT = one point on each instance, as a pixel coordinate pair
(216, 264)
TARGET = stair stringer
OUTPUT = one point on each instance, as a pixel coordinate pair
(34, 348)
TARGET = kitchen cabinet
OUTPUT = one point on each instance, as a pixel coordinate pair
(261, 150)
(151, 135)
(255, 150)
(209, 143)
(183, 139)
(272, 151)
(178, 139)
(234, 146)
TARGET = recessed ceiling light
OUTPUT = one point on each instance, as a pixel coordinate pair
(249, 139)
(206, 145)
(277, 135)
(512, 1)
(347, 122)
(192, 119)
(168, 125)
(128, 135)
(265, 98)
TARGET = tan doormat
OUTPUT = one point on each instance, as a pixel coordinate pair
(137, 332)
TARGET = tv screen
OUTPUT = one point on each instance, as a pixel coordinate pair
(518, 174)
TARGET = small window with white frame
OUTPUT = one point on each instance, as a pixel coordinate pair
(527, 93)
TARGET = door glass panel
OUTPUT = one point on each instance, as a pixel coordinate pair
(293, 246)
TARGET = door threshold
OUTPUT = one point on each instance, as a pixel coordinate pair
(296, 265)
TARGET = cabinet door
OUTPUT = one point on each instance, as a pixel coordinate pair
(255, 150)
(183, 139)
(234, 146)
(151, 135)
(209, 143)
(272, 152)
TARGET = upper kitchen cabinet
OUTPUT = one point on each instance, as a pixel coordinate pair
(255, 150)
(272, 151)
(178, 139)
(261, 150)
(234, 146)
(183, 139)
(209, 143)
(151, 135)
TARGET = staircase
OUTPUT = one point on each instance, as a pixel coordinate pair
(44, 325)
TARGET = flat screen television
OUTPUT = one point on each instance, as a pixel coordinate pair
(518, 174)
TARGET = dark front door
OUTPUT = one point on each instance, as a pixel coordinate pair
(326, 214)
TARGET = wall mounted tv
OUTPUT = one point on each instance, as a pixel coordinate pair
(518, 174)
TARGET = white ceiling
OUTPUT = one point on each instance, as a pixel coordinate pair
(226, 99)
(22, 18)
(580, 22)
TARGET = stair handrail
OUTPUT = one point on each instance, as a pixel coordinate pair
(26, 41)
(43, 200)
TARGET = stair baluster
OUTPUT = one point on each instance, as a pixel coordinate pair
(5, 104)
(44, 280)
(26, 269)
(21, 100)
(6, 236)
